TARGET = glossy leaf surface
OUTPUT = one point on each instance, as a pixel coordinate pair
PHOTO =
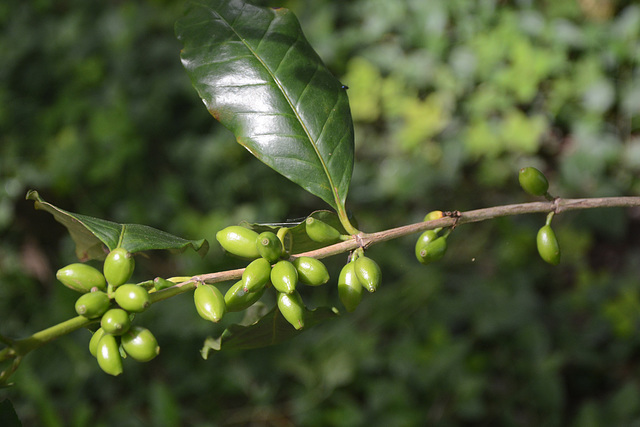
(92, 234)
(258, 75)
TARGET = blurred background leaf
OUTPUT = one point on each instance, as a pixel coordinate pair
(450, 99)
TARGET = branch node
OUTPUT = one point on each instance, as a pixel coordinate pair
(195, 279)
(456, 215)
(361, 242)
(556, 205)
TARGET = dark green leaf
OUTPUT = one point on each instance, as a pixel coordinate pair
(8, 415)
(269, 329)
(258, 76)
(91, 235)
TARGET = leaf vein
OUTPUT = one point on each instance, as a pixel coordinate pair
(328, 119)
(273, 19)
(307, 85)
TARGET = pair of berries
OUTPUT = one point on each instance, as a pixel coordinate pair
(535, 183)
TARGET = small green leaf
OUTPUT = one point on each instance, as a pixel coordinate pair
(258, 75)
(297, 230)
(91, 235)
(270, 329)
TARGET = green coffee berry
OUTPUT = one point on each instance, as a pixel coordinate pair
(349, 287)
(320, 231)
(108, 355)
(95, 339)
(269, 246)
(140, 344)
(430, 251)
(115, 321)
(93, 304)
(209, 303)
(133, 298)
(236, 299)
(81, 278)
(284, 277)
(533, 181)
(292, 308)
(118, 267)
(548, 246)
(368, 273)
(433, 215)
(239, 241)
(256, 275)
(311, 271)
(427, 237)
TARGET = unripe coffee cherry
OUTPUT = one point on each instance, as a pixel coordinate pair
(108, 355)
(533, 181)
(209, 303)
(81, 277)
(433, 215)
(95, 339)
(133, 298)
(430, 251)
(320, 231)
(236, 299)
(284, 277)
(292, 308)
(115, 321)
(311, 271)
(269, 246)
(349, 287)
(93, 304)
(239, 241)
(426, 237)
(140, 344)
(368, 273)
(256, 275)
(548, 246)
(118, 267)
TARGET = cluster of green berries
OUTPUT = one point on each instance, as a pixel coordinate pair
(431, 245)
(107, 296)
(270, 267)
(535, 183)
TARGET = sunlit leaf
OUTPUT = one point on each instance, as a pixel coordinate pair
(258, 76)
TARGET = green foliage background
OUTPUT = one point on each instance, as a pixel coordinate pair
(450, 99)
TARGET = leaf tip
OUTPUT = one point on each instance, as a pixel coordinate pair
(33, 195)
(201, 247)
